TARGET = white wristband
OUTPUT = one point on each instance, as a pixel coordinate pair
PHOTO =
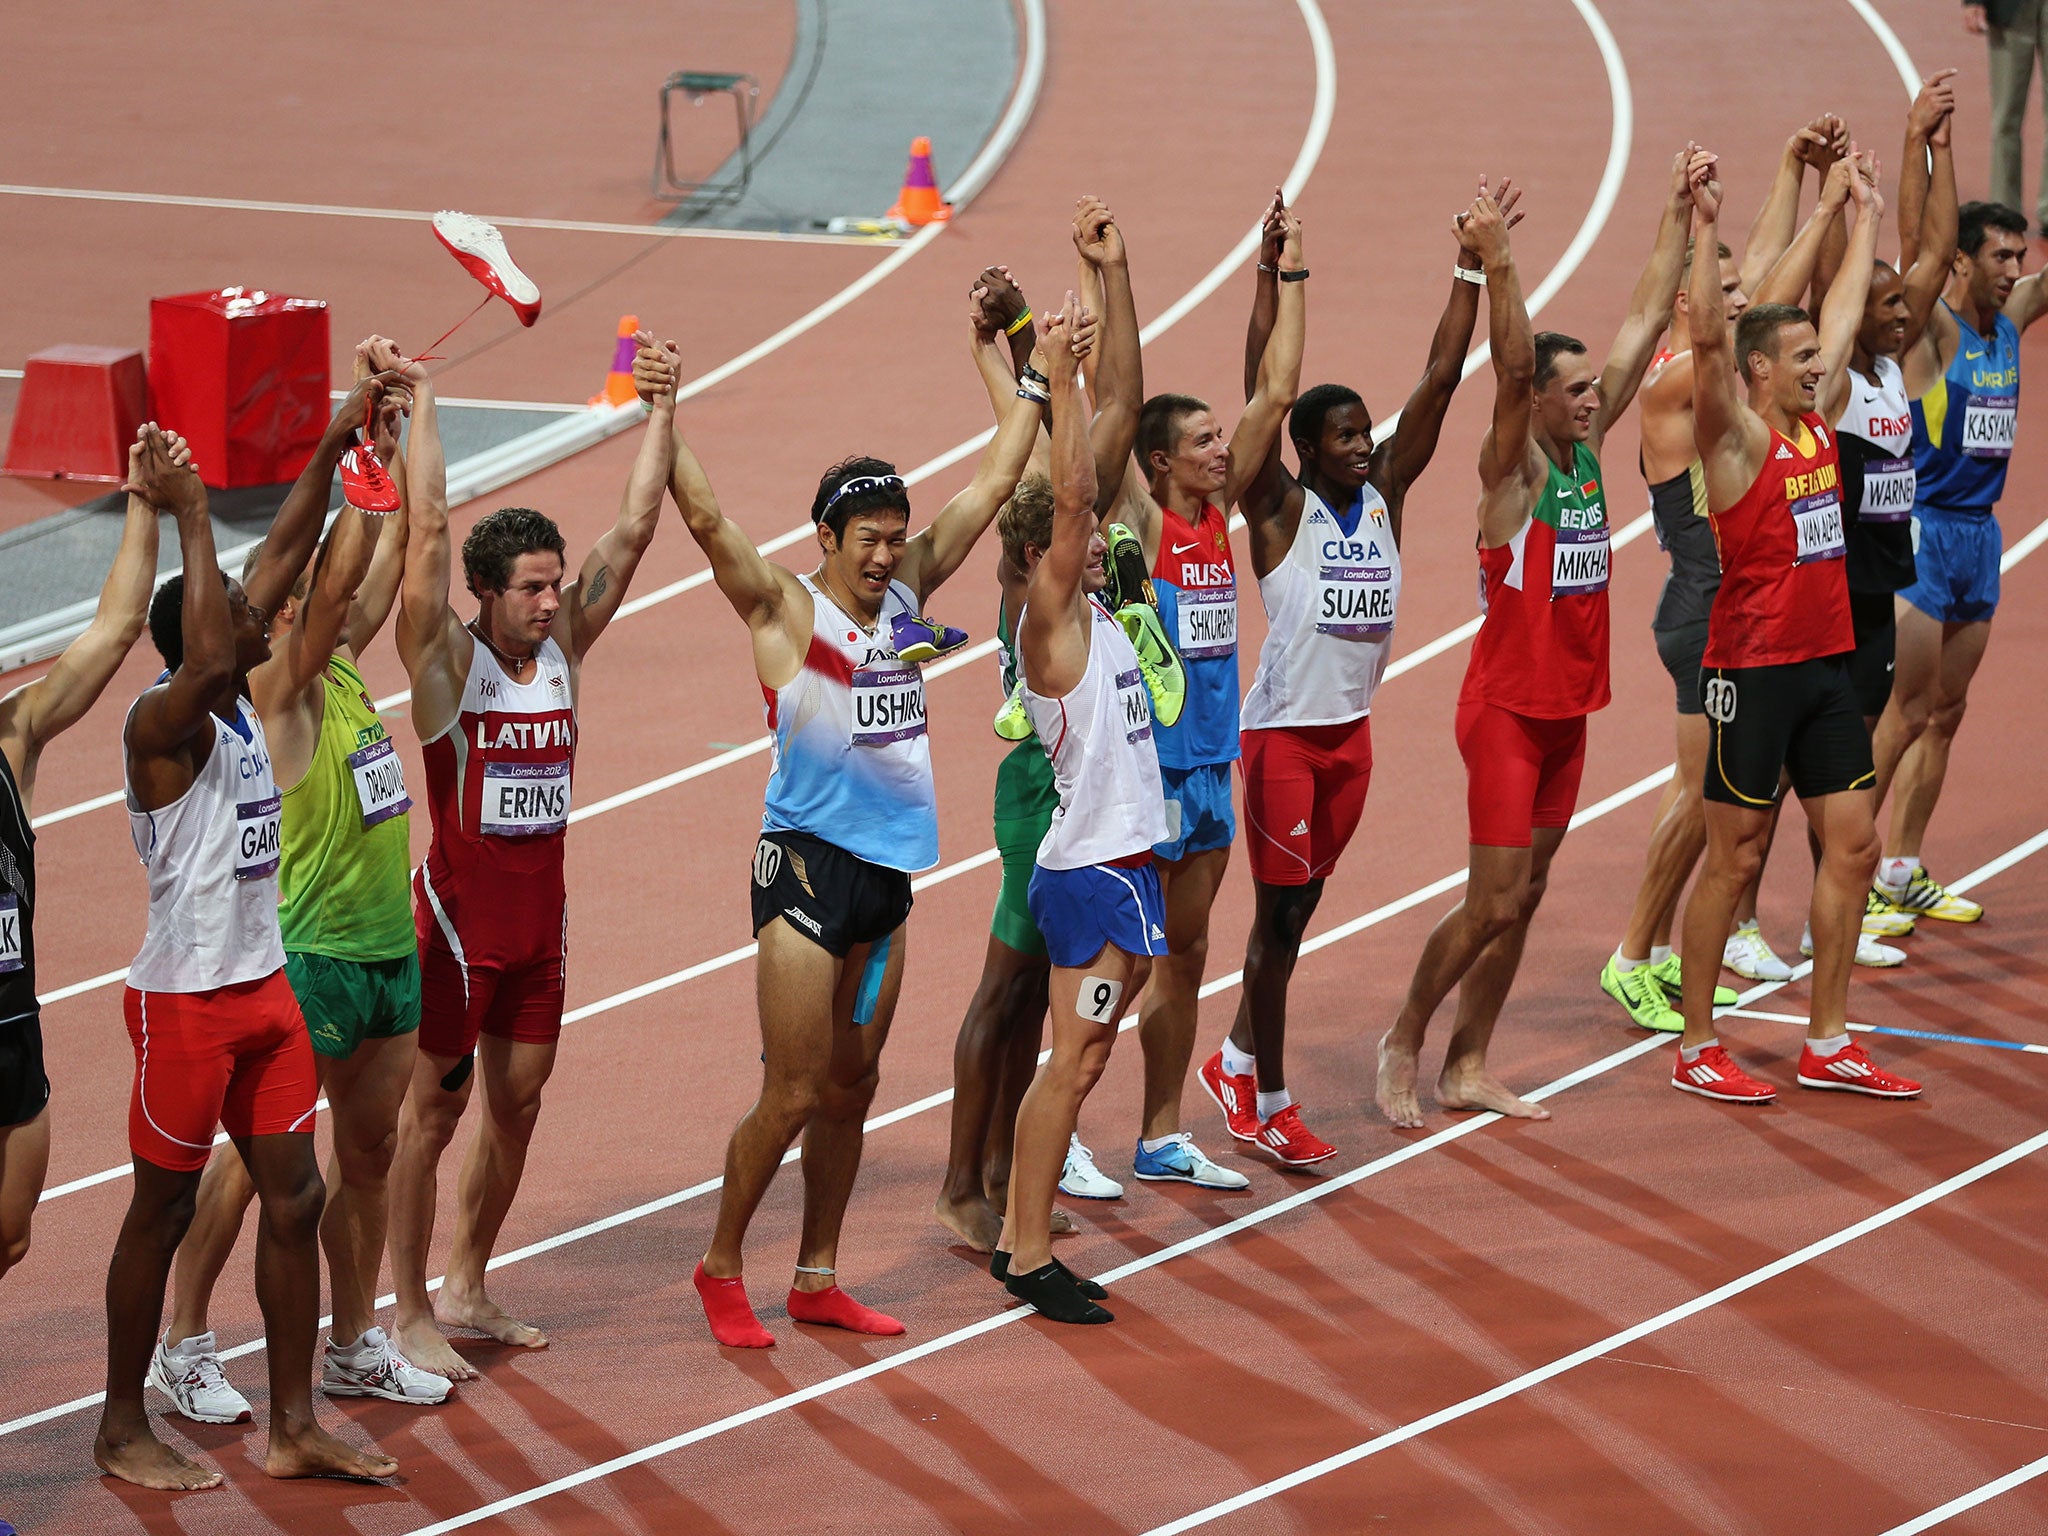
(1472, 275)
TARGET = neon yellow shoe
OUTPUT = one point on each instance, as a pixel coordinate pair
(1640, 993)
(1129, 581)
(1671, 976)
(1926, 897)
(1012, 722)
(1165, 678)
(1882, 920)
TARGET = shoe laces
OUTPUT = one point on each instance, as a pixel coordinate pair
(204, 1371)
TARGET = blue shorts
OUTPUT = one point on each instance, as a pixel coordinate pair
(1205, 820)
(1081, 910)
(1956, 556)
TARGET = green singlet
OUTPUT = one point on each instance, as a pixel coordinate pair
(1025, 800)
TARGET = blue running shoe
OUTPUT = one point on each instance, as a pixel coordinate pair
(1180, 1161)
(918, 639)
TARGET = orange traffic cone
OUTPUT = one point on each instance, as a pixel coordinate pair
(618, 384)
(918, 203)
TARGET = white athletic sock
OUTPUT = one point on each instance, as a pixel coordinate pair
(1628, 963)
(1894, 874)
(1157, 1143)
(1827, 1047)
(1237, 1063)
(1691, 1053)
(1270, 1104)
(1659, 953)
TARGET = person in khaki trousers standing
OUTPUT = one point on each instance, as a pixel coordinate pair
(2017, 31)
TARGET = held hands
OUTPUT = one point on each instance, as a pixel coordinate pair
(359, 408)
(391, 410)
(1096, 236)
(380, 354)
(657, 370)
(1702, 179)
(994, 303)
(1064, 338)
(1482, 229)
(1933, 105)
(1821, 142)
(160, 471)
(1863, 183)
(1273, 230)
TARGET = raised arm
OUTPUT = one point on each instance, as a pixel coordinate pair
(1772, 232)
(1255, 445)
(594, 596)
(1934, 251)
(1793, 273)
(1054, 635)
(1720, 420)
(295, 531)
(1649, 307)
(166, 718)
(1933, 106)
(1841, 313)
(431, 640)
(1265, 291)
(1504, 451)
(1119, 362)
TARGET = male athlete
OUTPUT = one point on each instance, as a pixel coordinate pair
(218, 1036)
(850, 816)
(1326, 549)
(1965, 391)
(1775, 681)
(345, 908)
(494, 702)
(29, 717)
(1539, 663)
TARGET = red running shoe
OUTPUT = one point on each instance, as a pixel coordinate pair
(480, 248)
(1850, 1071)
(1292, 1142)
(1237, 1097)
(365, 483)
(1715, 1076)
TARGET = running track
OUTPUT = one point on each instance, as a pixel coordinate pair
(1646, 1314)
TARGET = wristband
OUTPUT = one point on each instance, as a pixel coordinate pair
(1297, 275)
(1017, 324)
(1036, 394)
(1476, 276)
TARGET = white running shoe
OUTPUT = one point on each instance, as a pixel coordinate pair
(1747, 954)
(1181, 1161)
(1082, 1179)
(481, 249)
(1868, 951)
(190, 1376)
(373, 1367)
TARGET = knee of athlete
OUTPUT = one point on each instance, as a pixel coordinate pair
(1495, 912)
(1947, 715)
(294, 1214)
(368, 1162)
(1532, 897)
(789, 1102)
(1292, 908)
(1855, 854)
(847, 1101)
(518, 1117)
(13, 1248)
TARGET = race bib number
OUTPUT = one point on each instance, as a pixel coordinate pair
(1355, 602)
(1098, 999)
(256, 823)
(1578, 561)
(1136, 704)
(380, 781)
(1989, 423)
(10, 932)
(1818, 519)
(888, 705)
(1888, 486)
(525, 799)
(1208, 621)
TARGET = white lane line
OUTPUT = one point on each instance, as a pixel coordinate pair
(1876, 1221)
(1971, 1500)
(1902, 61)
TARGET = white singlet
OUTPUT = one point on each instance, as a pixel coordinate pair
(212, 861)
(1330, 606)
(1098, 737)
(1883, 418)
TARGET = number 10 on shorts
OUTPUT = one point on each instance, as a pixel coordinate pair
(1719, 699)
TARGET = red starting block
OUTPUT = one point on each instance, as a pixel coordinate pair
(242, 375)
(78, 413)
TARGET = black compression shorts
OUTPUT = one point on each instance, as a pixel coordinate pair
(1800, 717)
(832, 897)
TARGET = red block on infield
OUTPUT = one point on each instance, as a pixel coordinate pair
(79, 410)
(242, 375)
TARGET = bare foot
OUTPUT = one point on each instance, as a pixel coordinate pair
(142, 1459)
(312, 1452)
(1478, 1090)
(484, 1315)
(1395, 1091)
(427, 1347)
(975, 1222)
(1062, 1223)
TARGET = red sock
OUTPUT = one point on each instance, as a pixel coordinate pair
(835, 1309)
(725, 1309)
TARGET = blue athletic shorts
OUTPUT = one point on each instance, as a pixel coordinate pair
(1081, 910)
(1206, 819)
(1956, 555)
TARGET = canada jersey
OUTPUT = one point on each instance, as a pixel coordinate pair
(1196, 584)
(498, 792)
(1879, 485)
(1541, 650)
(1783, 596)
(1330, 608)
(852, 762)
(1964, 427)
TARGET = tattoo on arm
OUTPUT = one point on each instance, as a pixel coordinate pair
(598, 583)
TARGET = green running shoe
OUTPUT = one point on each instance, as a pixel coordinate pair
(1129, 581)
(1639, 992)
(1012, 722)
(1669, 976)
(1165, 678)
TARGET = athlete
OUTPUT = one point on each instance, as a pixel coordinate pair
(1775, 681)
(494, 702)
(1539, 663)
(1326, 549)
(345, 908)
(1095, 894)
(29, 717)
(1965, 390)
(850, 816)
(218, 1037)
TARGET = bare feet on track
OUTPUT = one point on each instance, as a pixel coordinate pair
(1395, 1091)
(147, 1462)
(1062, 1223)
(312, 1452)
(480, 1314)
(427, 1347)
(975, 1222)
(1478, 1090)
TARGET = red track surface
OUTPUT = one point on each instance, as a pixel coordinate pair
(1848, 1394)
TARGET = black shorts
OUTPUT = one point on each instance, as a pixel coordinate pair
(24, 1087)
(826, 893)
(1801, 717)
(1871, 663)
(1680, 649)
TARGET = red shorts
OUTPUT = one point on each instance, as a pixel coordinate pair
(1304, 790)
(1520, 772)
(237, 1057)
(462, 997)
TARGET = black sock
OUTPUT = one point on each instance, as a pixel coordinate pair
(1056, 1296)
(999, 1266)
